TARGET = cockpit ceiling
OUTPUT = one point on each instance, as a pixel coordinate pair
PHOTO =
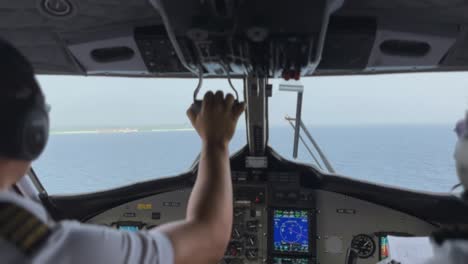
(363, 36)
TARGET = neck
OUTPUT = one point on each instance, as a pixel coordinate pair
(11, 171)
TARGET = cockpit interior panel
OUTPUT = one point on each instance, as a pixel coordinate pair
(287, 224)
(284, 212)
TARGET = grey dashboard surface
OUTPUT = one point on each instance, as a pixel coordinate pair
(342, 217)
(339, 219)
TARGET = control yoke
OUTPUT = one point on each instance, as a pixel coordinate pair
(197, 104)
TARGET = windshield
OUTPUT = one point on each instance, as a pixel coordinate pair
(108, 132)
(392, 129)
(395, 129)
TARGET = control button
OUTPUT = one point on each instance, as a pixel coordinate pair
(238, 212)
(279, 196)
(232, 261)
(297, 75)
(252, 226)
(345, 211)
(253, 213)
(59, 8)
(302, 197)
(242, 178)
(242, 203)
(144, 206)
(236, 232)
(292, 196)
(171, 204)
(251, 253)
(256, 177)
(251, 241)
(128, 214)
(259, 198)
(156, 215)
(234, 249)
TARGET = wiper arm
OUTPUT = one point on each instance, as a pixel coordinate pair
(305, 145)
(312, 140)
(299, 88)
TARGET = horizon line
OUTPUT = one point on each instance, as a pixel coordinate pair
(129, 130)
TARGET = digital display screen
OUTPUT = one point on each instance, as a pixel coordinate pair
(291, 231)
(277, 260)
(129, 228)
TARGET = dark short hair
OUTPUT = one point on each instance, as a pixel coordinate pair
(17, 81)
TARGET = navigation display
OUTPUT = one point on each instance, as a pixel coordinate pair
(128, 228)
(291, 231)
(290, 261)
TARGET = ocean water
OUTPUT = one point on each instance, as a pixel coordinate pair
(415, 157)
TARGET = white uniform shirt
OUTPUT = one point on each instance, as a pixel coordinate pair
(73, 242)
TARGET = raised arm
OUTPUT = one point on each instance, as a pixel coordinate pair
(203, 236)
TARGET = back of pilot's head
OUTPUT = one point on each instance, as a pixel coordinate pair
(24, 119)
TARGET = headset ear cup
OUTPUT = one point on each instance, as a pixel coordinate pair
(34, 134)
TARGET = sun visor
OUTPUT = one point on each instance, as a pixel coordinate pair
(417, 47)
(101, 52)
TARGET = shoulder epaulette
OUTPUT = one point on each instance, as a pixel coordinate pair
(21, 228)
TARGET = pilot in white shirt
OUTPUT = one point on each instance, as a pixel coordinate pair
(28, 235)
(73, 242)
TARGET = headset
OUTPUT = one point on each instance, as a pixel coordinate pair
(25, 129)
(24, 118)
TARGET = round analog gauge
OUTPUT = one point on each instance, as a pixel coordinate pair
(364, 245)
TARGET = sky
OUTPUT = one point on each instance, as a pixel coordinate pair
(101, 102)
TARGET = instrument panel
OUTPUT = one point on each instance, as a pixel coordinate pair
(249, 233)
(291, 231)
(278, 221)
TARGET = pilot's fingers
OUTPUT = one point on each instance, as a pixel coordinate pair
(208, 99)
(229, 101)
(191, 114)
(238, 109)
(219, 97)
